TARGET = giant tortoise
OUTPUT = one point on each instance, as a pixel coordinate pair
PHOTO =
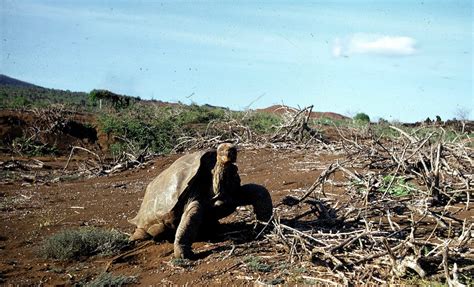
(198, 188)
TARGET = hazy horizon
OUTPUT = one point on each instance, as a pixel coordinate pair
(397, 60)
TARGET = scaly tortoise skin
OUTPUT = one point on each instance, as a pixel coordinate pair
(200, 187)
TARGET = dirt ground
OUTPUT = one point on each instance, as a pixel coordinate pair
(32, 212)
(38, 199)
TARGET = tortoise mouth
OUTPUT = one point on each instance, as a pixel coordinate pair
(227, 158)
(226, 153)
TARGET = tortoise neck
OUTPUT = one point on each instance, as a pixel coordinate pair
(218, 175)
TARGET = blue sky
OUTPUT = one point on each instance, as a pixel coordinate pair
(400, 60)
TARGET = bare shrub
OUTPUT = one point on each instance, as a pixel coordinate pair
(109, 279)
(76, 243)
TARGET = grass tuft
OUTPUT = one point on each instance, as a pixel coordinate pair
(181, 262)
(108, 279)
(398, 188)
(255, 263)
(77, 243)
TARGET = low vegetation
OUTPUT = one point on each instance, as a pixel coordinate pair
(31, 97)
(262, 123)
(77, 243)
(402, 190)
(109, 279)
(134, 125)
(161, 129)
(115, 101)
(361, 118)
(30, 147)
(184, 263)
(255, 263)
(396, 186)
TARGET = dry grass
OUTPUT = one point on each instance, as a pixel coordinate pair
(77, 243)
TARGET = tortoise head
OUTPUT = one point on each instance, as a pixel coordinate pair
(226, 153)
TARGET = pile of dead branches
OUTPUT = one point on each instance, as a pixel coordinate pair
(444, 168)
(295, 127)
(218, 131)
(295, 131)
(46, 122)
(50, 120)
(99, 165)
(406, 215)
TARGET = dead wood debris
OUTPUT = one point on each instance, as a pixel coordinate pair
(294, 132)
(381, 236)
(399, 220)
(99, 166)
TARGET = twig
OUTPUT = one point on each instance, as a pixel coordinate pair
(80, 148)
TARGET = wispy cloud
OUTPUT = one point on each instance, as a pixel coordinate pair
(70, 13)
(174, 30)
(374, 44)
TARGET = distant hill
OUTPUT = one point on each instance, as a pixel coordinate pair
(15, 93)
(6, 80)
(280, 109)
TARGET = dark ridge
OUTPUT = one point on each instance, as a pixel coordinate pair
(8, 81)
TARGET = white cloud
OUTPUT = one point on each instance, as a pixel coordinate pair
(390, 45)
(374, 44)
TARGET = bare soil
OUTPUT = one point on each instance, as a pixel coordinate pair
(37, 201)
(32, 212)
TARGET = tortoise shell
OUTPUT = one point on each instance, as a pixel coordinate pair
(188, 175)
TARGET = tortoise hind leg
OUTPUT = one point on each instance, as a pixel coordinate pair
(257, 196)
(187, 230)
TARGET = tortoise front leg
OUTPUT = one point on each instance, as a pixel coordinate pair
(187, 230)
(222, 209)
(257, 196)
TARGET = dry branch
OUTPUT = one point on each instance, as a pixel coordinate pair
(379, 237)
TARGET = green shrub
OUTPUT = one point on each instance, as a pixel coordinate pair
(324, 121)
(19, 102)
(158, 134)
(76, 243)
(398, 188)
(382, 121)
(195, 114)
(361, 118)
(447, 134)
(157, 128)
(21, 97)
(255, 263)
(117, 101)
(108, 279)
(384, 130)
(262, 123)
